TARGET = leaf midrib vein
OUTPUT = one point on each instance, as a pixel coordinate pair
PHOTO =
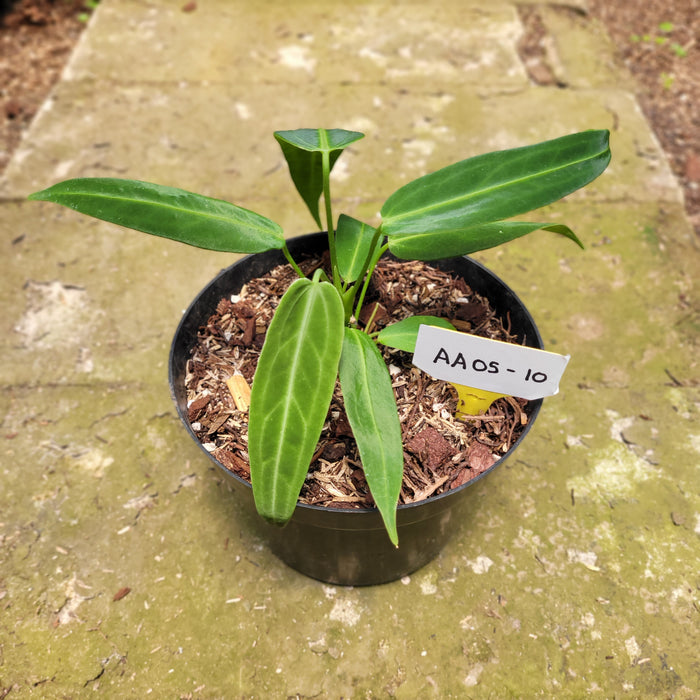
(194, 212)
(372, 413)
(471, 195)
(287, 406)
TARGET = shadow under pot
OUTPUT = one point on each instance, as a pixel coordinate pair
(338, 545)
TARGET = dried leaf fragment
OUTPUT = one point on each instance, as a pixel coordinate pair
(121, 593)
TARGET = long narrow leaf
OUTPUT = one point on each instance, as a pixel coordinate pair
(371, 409)
(168, 212)
(402, 335)
(291, 393)
(497, 185)
(434, 245)
(303, 149)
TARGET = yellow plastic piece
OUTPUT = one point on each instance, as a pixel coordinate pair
(473, 402)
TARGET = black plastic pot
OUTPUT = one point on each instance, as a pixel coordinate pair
(348, 547)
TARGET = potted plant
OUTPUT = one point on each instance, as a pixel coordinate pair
(316, 337)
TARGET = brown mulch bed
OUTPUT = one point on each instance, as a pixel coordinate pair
(440, 451)
(36, 39)
(659, 42)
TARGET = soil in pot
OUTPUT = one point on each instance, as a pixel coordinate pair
(441, 452)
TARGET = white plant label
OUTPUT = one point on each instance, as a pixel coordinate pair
(491, 365)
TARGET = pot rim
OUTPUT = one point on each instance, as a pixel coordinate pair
(297, 242)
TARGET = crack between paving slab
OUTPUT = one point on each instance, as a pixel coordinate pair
(140, 503)
(686, 384)
(107, 416)
(185, 482)
(12, 200)
(30, 546)
(119, 658)
(27, 386)
(97, 677)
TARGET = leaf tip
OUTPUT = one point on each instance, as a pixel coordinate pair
(572, 236)
(39, 196)
(277, 522)
(390, 526)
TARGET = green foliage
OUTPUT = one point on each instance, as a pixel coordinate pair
(354, 245)
(371, 410)
(402, 335)
(169, 212)
(421, 246)
(89, 5)
(667, 80)
(308, 153)
(665, 28)
(679, 50)
(299, 360)
(315, 337)
(495, 186)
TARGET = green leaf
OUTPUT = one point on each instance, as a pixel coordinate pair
(402, 334)
(303, 150)
(496, 186)
(353, 242)
(371, 409)
(291, 393)
(450, 244)
(169, 212)
(319, 139)
(678, 50)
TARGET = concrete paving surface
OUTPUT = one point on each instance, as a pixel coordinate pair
(126, 569)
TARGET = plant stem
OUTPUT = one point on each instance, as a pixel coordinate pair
(348, 301)
(320, 275)
(291, 261)
(373, 263)
(368, 326)
(326, 167)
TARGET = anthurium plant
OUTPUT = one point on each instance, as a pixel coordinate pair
(315, 337)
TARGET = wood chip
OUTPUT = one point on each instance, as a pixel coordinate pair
(233, 462)
(480, 457)
(240, 391)
(197, 407)
(432, 446)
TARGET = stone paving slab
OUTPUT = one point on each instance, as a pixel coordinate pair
(127, 570)
(428, 127)
(390, 41)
